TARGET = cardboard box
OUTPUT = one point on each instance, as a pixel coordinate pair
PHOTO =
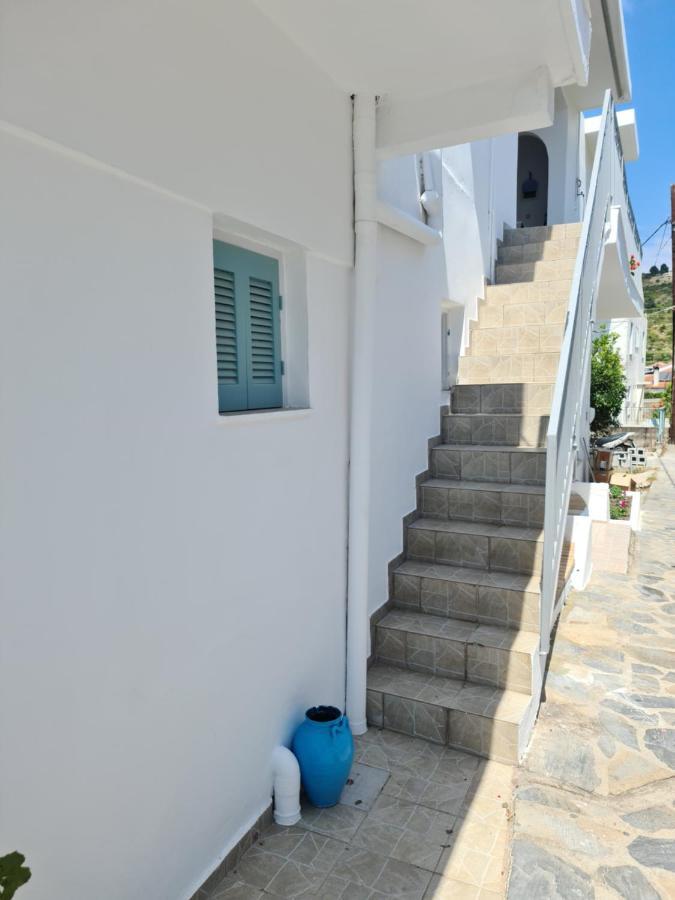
(642, 480)
(623, 480)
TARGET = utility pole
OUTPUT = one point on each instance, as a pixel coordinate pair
(672, 353)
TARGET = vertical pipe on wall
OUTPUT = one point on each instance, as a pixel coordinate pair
(363, 333)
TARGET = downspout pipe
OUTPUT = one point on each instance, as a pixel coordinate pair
(360, 438)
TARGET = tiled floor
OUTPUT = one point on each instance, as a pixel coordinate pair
(594, 809)
(419, 821)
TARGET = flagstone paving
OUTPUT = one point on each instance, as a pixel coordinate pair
(594, 801)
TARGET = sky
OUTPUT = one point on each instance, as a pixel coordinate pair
(650, 32)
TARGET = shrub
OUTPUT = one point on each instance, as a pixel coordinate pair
(13, 874)
(608, 382)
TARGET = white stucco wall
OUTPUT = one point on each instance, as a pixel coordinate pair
(179, 93)
(563, 141)
(406, 396)
(479, 199)
(173, 585)
(631, 344)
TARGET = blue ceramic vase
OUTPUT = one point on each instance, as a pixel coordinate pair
(324, 747)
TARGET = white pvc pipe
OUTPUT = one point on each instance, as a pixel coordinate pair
(286, 781)
(363, 325)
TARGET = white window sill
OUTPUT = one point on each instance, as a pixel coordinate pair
(250, 417)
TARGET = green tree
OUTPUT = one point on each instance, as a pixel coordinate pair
(653, 270)
(664, 269)
(608, 382)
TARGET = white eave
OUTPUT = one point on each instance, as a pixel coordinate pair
(609, 66)
(627, 130)
(446, 73)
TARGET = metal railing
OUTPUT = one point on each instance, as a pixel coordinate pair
(568, 421)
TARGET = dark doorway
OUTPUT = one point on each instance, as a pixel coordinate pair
(532, 208)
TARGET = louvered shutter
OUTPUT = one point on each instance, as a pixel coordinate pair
(247, 329)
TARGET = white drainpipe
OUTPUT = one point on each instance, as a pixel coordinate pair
(286, 781)
(363, 324)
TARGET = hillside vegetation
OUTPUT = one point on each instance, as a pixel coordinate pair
(658, 295)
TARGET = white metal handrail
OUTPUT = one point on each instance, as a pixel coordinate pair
(568, 419)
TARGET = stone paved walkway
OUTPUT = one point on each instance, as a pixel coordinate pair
(594, 803)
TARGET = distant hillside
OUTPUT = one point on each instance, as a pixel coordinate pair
(658, 293)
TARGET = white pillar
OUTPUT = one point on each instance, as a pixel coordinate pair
(363, 324)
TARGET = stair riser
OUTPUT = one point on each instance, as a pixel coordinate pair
(539, 233)
(524, 431)
(455, 659)
(522, 399)
(499, 554)
(463, 731)
(509, 368)
(494, 507)
(562, 248)
(515, 340)
(484, 604)
(506, 466)
(509, 315)
(528, 292)
(546, 270)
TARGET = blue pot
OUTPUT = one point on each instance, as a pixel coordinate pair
(324, 747)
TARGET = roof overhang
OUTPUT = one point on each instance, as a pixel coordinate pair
(445, 72)
(627, 130)
(609, 66)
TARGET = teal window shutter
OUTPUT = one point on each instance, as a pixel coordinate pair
(247, 329)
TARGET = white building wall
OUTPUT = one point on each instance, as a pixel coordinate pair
(179, 94)
(631, 345)
(406, 397)
(479, 200)
(173, 583)
(563, 140)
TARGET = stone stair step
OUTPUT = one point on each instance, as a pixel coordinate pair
(515, 339)
(483, 501)
(538, 233)
(494, 314)
(474, 595)
(491, 722)
(518, 398)
(543, 270)
(489, 462)
(509, 429)
(528, 292)
(509, 368)
(534, 251)
(437, 645)
(478, 545)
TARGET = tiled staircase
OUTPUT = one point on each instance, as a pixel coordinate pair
(456, 656)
